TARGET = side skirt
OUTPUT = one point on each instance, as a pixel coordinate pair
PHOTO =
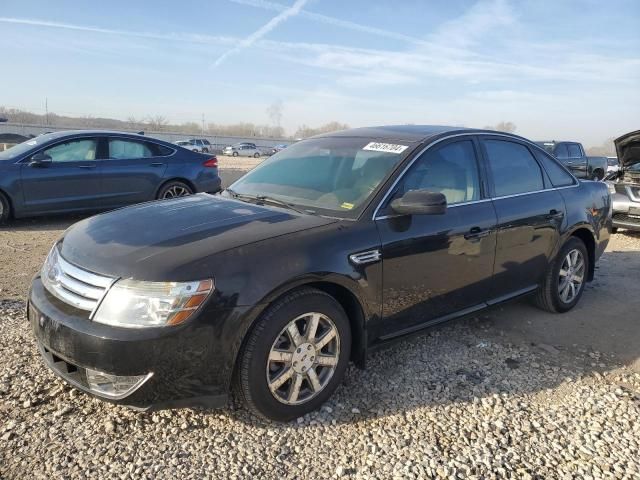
(459, 314)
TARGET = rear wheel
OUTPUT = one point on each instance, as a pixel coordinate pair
(598, 174)
(5, 209)
(295, 356)
(174, 190)
(256, 155)
(565, 279)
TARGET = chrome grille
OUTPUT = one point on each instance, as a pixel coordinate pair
(73, 285)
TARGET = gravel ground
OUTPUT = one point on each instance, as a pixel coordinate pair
(489, 397)
(457, 402)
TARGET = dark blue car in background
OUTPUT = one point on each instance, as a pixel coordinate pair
(77, 171)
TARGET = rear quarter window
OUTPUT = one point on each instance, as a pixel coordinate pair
(558, 175)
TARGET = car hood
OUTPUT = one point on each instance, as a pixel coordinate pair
(175, 239)
(628, 148)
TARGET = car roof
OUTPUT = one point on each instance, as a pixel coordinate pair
(89, 133)
(409, 133)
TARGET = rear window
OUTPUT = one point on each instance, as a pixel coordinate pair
(558, 175)
(513, 168)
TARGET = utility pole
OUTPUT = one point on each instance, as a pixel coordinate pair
(203, 124)
(46, 108)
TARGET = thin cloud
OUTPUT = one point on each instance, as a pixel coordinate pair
(181, 37)
(336, 22)
(264, 30)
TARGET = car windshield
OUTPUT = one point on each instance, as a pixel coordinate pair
(21, 148)
(335, 176)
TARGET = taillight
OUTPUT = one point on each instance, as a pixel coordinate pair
(211, 163)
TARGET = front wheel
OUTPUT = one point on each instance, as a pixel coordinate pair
(256, 155)
(234, 154)
(566, 277)
(5, 209)
(295, 356)
(598, 174)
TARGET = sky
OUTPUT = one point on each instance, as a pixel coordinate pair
(557, 69)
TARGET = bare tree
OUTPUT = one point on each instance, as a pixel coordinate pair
(157, 123)
(305, 131)
(508, 127)
(607, 149)
(274, 111)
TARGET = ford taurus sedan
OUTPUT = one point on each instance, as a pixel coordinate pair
(77, 171)
(327, 250)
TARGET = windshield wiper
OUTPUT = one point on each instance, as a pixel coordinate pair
(268, 199)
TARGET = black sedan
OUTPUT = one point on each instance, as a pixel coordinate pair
(329, 249)
(77, 171)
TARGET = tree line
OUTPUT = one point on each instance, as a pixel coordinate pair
(159, 123)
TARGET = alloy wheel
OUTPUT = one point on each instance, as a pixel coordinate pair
(571, 276)
(176, 191)
(303, 358)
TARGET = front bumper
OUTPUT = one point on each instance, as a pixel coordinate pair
(626, 212)
(181, 366)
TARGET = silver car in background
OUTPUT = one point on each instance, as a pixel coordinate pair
(242, 150)
(624, 185)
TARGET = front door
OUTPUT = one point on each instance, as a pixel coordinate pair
(132, 171)
(437, 265)
(577, 160)
(530, 214)
(70, 182)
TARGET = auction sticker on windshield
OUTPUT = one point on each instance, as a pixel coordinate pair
(385, 147)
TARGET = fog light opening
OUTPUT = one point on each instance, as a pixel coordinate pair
(114, 386)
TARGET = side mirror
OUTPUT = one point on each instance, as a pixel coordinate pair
(420, 202)
(40, 160)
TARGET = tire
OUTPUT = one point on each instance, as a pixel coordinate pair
(5, 209)
(234, 154)
(259, 363)
(614, 230)
(256, 155)
(598, 174)
(549, 296)
(205, 150)
(174, 189)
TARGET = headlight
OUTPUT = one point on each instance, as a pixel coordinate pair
(135, 304)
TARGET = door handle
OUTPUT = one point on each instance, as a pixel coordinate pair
(157, 164)
(555, 214)
(476, 232)
(87, 166)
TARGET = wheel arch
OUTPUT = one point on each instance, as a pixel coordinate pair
(347, 299)
(9, 200)
(189, 183)
(586, 235)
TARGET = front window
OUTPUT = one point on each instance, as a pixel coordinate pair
(81, 150)
(336, 176)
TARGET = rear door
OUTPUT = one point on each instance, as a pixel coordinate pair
(132, 170)
(72, 181)
(530, 216)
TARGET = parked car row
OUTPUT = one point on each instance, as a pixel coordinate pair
(90, 170)
(335, 246)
